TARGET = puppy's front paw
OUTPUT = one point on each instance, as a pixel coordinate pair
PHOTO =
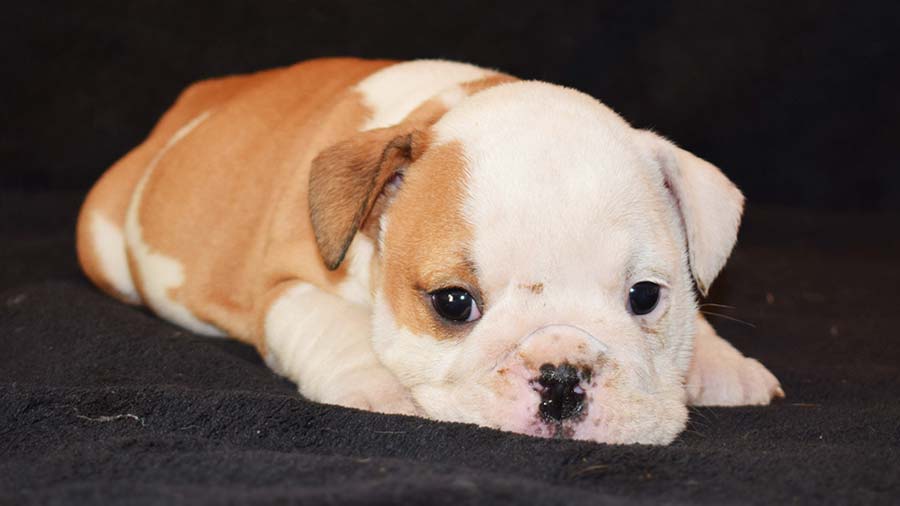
(377, 391)
(723, 377)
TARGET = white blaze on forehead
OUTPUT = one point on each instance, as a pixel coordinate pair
(552, 173)
(394, 92)
(160, 273)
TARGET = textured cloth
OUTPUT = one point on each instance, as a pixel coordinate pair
(101, 403)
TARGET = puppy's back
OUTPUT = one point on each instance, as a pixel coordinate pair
(101, 229)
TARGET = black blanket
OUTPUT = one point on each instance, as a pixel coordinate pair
(101, 403)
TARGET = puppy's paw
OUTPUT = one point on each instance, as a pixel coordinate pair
(376, 391)
(724, 377)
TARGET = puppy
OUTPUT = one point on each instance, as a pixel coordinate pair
(433, 238)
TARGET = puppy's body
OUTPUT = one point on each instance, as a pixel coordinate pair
(311, 210)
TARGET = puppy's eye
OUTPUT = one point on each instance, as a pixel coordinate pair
(455, 304)
(643, 297)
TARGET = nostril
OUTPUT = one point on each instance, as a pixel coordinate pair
(562, 396)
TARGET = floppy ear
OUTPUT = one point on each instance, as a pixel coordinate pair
(346, 180)
(709, 203)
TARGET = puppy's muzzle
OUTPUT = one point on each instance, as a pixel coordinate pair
(558, 362)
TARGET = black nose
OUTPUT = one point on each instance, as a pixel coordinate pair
(561, 397)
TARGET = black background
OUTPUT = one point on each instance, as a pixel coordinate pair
(103, 403)
(797, 102)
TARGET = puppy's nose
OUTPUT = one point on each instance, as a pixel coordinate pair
(561, 396)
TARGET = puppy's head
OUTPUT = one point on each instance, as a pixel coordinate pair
(537, 261)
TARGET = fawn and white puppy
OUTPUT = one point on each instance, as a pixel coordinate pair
(433, 238)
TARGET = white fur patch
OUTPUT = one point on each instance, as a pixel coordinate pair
(421, 357)
(395, 91)
(382, 230)
(109, 245)
(160, 273)
(720, 375)
(285, 328)
(357, 287)
(314, 337)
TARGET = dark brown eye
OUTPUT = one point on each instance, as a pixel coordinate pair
(643, 297)
(455, 304)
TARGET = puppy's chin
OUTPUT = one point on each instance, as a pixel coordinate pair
(614, 415)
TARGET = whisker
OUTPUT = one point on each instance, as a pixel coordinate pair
(710, 304)
(699, 424)
(710, 313)
(695, 411)
(694, 432)
(705, 412)
(701, 414)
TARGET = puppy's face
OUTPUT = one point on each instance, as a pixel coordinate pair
(538, 264)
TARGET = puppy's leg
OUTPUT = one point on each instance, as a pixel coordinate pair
(322, 343)
(721, 376)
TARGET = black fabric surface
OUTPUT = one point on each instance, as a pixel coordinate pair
(797, 101)
(101, 403)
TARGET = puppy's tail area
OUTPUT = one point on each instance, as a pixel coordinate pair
(100, 232)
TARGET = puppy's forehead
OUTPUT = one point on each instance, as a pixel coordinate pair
(555, 181)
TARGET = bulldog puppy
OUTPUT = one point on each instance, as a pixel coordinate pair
(433, 238)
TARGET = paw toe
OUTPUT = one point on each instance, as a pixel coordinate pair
(759, 385)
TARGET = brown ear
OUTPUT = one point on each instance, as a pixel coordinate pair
(346, 180)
